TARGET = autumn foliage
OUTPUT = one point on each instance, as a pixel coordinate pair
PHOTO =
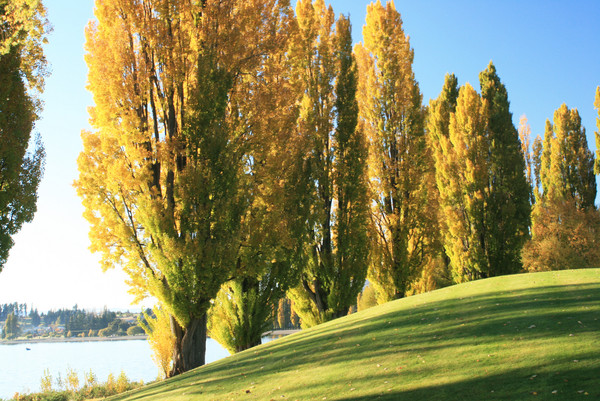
(565, 230)
(242, 151)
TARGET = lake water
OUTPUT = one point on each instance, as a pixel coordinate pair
(21, 370)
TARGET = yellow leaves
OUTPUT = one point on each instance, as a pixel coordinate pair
(160, 338)
(462, 175)
(305, 15)
(391, 118)
(24, 26)
(157, 201)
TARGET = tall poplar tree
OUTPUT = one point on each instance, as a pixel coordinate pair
(162, 176)
(597, 106)
(328, 177)
(481, 177)
(508, 209)
(462, 173)
(566, 224)
(23, 29)
(392, 118)
(567, 163)
(243, 309)
(438, 134)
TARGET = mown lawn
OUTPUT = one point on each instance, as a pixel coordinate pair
(529, 336)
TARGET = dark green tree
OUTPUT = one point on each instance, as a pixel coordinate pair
(508, 209)
(36, 320)
(350, 181)
(22, 72)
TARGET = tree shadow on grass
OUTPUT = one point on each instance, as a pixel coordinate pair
(512, 385)
(462, 320)
(422, 329)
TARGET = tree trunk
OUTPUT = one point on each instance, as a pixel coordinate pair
(190, 345)
(250, 344)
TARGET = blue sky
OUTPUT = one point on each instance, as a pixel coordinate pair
(547, 52)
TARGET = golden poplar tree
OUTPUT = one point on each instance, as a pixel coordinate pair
(162, 176)
(462, 176)
(243, 309)
(565, 229)
(481, 177)
(567, 163)
(327, 172)
(392, 118)
(160, 338)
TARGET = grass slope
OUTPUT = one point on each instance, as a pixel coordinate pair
(507, 338)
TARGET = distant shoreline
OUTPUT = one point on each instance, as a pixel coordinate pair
(70, 339)
(274, 333)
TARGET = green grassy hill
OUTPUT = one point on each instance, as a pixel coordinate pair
(507, 338)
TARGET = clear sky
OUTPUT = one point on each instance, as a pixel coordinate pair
(547, 52)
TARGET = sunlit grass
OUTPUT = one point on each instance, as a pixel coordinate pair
(507, 338)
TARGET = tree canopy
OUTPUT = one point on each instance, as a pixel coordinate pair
(23, 29)
(161, 175)
(329, 175)
(241, 153)
(481, 177)
(393, 118)
(566, 224)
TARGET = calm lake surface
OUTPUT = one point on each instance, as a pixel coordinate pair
(21, 370)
